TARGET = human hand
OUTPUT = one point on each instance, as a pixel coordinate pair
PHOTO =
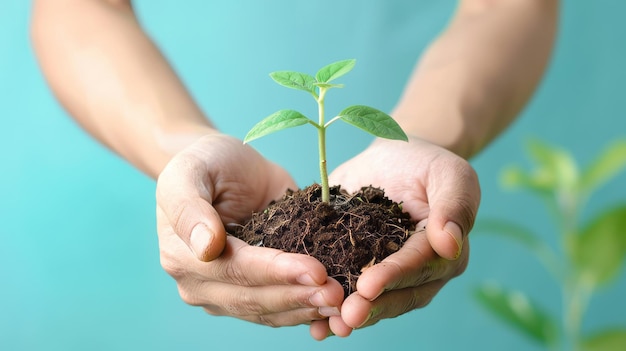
(438, 189)
(219, 180)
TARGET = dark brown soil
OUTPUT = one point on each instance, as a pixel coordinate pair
(349, 235)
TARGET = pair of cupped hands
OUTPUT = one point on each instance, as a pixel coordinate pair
(218, 181)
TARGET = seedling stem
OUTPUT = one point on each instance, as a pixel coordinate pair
(367, 118)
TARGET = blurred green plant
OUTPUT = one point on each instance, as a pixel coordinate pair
(590, 255)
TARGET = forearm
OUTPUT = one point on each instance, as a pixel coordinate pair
(478, 75)
(114, 81)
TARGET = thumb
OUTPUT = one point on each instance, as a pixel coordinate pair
(453, 209)
(201, 228)
(190, 215)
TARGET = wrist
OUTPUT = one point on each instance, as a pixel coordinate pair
(167, 142)
(451, 133)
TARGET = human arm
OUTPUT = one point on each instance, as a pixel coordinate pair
(468, 86)
(474, 79)
(115, 82)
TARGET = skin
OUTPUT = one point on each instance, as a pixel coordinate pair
(466, 88)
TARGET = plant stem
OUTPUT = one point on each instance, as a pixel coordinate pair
(576, 292)
(576, 301)
(321, 137)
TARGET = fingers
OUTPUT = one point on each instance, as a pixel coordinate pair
(359, 312)
(277, 305)
(221, 299)
(245, 265)
(319, 329)
(414, 264)
(334, 325)
(287, 319)
(454, 196)
(185, 202)
(258, 284)
(404, 281)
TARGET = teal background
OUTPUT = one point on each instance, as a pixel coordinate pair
(79, 264)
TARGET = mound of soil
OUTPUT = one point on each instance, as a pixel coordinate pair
(347, 235)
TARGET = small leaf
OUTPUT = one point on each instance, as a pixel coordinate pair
(513, 177)
(334, 70)
(295, 80)
(610, 162)
(611, 340)
(518, 311)
(555, 173)
(373, 121)
(600, 249)
(280, 120)
(555, 167)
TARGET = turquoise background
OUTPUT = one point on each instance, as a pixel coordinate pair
(79, 263)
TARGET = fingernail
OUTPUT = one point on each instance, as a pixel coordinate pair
(421, 225)
(306, 279)
(318, 300)
(200, 241)
(454, 231)
(329, 311)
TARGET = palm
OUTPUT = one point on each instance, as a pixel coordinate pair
(402, 170)
(233, 178)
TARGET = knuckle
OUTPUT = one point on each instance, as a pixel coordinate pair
(292, 318)
(275, 262)
(213, 310)
(468, 212)
(188, 295)
(231, 269)
(465, 210)
(425, 274)
(417, 300)
(177, 215)
(234, 274)
(242, 304)
(267, 321)
(173, 268)
(467, 194)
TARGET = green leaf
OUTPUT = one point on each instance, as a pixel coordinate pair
(518, 311)
(555, 173)
(295, 80)
(513, 177)
(611, 340)
(556, 167)
(373, 121)
(610, 162)
(600, 249)
(280, 120)
(334, 70)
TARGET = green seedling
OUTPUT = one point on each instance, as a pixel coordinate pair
(366, 118)
(590, 255)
